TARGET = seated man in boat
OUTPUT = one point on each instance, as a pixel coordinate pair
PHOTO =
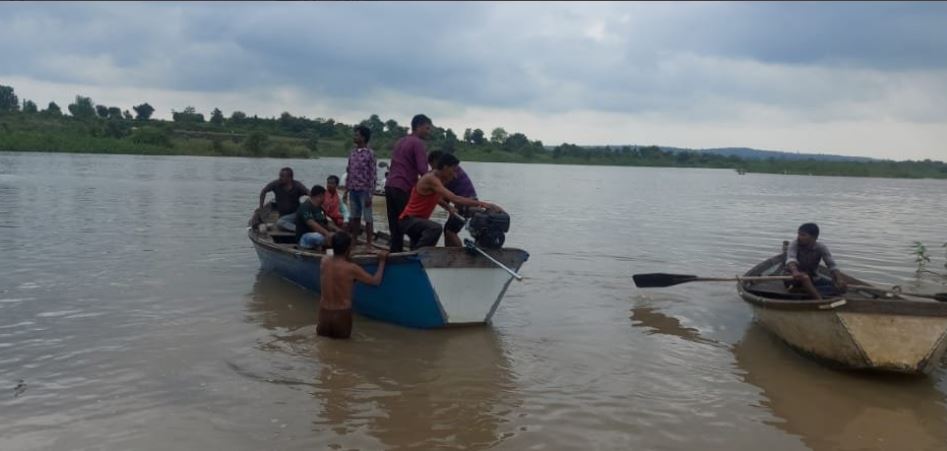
(461, 186)
(428, 193)
(313, 228)
(802, 261)
(332, 204)
(337, 276)
(287, 192)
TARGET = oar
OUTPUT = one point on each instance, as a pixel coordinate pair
(942, 297)
(469, 244)
(658, 280)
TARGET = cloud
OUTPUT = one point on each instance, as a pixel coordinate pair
(694, 66)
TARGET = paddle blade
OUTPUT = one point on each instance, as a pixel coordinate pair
(658, 280)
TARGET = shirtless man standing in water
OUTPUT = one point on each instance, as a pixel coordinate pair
(337, 278)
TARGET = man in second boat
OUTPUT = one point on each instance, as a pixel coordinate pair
(802, 261)
(415, 220)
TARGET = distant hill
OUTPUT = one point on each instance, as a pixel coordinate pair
(747, 153)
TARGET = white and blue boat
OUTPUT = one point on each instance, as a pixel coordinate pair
(429, 288)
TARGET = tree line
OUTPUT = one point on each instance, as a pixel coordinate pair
(91, 127)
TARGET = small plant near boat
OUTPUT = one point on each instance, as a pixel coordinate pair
(921, 259)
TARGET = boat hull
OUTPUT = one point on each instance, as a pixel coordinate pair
(857, 332)
(427, 289)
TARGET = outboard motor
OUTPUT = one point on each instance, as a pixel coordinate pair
(488, 229)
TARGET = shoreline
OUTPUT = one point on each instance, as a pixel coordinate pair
(549, 161)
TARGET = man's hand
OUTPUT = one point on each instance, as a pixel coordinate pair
(491, 206)
(382, 256)
(841, 285)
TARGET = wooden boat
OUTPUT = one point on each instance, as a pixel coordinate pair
(428, 288)
(864, 329)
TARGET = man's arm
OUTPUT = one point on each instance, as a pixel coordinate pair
(316, 227)
(420, 158)
(833, 267)
(792, 262)
(374, 280)
(266, 189)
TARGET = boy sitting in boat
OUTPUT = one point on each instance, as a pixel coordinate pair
(337, 276)
(428, 193)
(802, 261)
(313, 229)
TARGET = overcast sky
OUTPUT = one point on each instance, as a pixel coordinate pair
(848, 78)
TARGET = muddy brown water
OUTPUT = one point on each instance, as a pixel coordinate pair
(133, 315)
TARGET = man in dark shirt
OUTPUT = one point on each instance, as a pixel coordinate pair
(313, 228)
(408, 164)
(463, 187)
(287, 192)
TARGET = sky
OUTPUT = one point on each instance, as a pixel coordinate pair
(867, 79)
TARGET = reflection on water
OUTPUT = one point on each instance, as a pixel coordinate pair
(828, 409)
(841, 410)
(448, 389)
(133, 309)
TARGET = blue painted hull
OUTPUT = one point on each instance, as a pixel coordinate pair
(406, 295)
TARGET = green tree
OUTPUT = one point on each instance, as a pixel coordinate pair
(217, 117)
(29, 106)
(515, 142)
(102, 111)
(394, 130)
(498, 136)
(238, 117)
(143, 112)
(256, 143)
(467, 135)
(115, 113)
(83, 108)
(127, 115)
(477, 137)
(8, 100)
(450, 141)
(52, 110)
(188, 115)
(374, 124)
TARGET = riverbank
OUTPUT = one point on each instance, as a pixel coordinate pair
(280, 138)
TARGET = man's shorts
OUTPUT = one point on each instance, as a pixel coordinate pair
(357, 208)
(334, 323)
(311, 240)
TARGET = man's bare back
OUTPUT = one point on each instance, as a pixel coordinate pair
(337, 276)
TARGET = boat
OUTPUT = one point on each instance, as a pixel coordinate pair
(867, 328)
(428, 288)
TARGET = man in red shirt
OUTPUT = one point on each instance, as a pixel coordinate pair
(408, 163)
(415, 219)
(332, 202)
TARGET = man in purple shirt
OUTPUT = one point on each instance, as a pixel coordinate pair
(408, 164)
(463, 187)
(360, 183)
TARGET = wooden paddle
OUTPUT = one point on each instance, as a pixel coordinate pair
(941, 297)
(659, 280)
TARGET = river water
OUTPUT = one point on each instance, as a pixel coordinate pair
(133, 315)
